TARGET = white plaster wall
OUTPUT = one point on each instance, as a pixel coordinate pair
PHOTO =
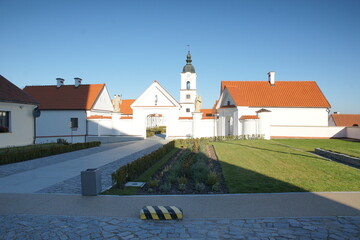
(21, 125)
(353, 132)
(105, 127)
(291, 116)
(103, 102)
(308, 131)
(207, 128)
(250, 126)
(185, 128)
(184, 106)
(123, 127)
(55, 124)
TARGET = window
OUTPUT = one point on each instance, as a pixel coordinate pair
(4, 122)
(228, 103)
(188, 110)
(74, 123)
(187, 96)
(188, 85)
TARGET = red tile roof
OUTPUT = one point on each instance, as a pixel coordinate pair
(125, 106)
(11, 93)
(185, 118)
(126, 117)
(99, 117)
(243, 117)
(207, 113)
(282, 94)
(347, 120)
(66, 97)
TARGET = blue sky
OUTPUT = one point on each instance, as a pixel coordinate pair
(129, 44)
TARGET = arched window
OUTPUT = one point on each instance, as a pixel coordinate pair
(188, 85)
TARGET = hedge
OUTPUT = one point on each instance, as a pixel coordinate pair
(133, 170)
(38, 151)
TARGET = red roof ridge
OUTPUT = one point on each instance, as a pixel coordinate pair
(9, 92)
(66, 97)
(243, 117)
(282, 94)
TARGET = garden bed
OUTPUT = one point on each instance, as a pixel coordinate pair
(189, 172)
(192, 169)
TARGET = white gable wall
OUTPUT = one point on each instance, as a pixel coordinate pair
(21, 125)
(103, 102)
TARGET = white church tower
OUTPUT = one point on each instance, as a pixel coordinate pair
(188, 90)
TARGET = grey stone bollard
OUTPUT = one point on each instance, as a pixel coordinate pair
(90, 182)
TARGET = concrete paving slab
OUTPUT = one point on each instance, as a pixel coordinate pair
(195, 206)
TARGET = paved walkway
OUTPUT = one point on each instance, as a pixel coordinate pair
(32, 176)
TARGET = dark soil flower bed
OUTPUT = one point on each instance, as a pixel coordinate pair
(195, 171)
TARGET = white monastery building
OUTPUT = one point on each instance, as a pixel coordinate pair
(267, 108)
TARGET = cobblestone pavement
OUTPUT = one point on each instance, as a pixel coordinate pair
(73, 185)
(64, 227)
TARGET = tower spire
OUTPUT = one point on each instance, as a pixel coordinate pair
(188, 67)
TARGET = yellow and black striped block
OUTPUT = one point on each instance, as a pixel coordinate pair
(161, 213)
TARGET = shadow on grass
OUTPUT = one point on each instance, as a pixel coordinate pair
(241, 180)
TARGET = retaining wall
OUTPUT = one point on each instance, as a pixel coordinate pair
(339, 157)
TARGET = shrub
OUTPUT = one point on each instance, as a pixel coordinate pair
(199, 171)
(153, 183)
(182, 180)
(139, 166)
(182, 187)
(166, 187)
(200, 187)
(20, 154)
(212, 179)
(216, 187)
(62, 141)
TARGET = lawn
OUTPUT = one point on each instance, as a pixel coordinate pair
(255, 166)
(335, 145)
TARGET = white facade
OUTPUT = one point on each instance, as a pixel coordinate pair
(55, 124)
(21, 125)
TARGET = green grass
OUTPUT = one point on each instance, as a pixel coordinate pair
(335, 145)
(256, 166)
(145, 177)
